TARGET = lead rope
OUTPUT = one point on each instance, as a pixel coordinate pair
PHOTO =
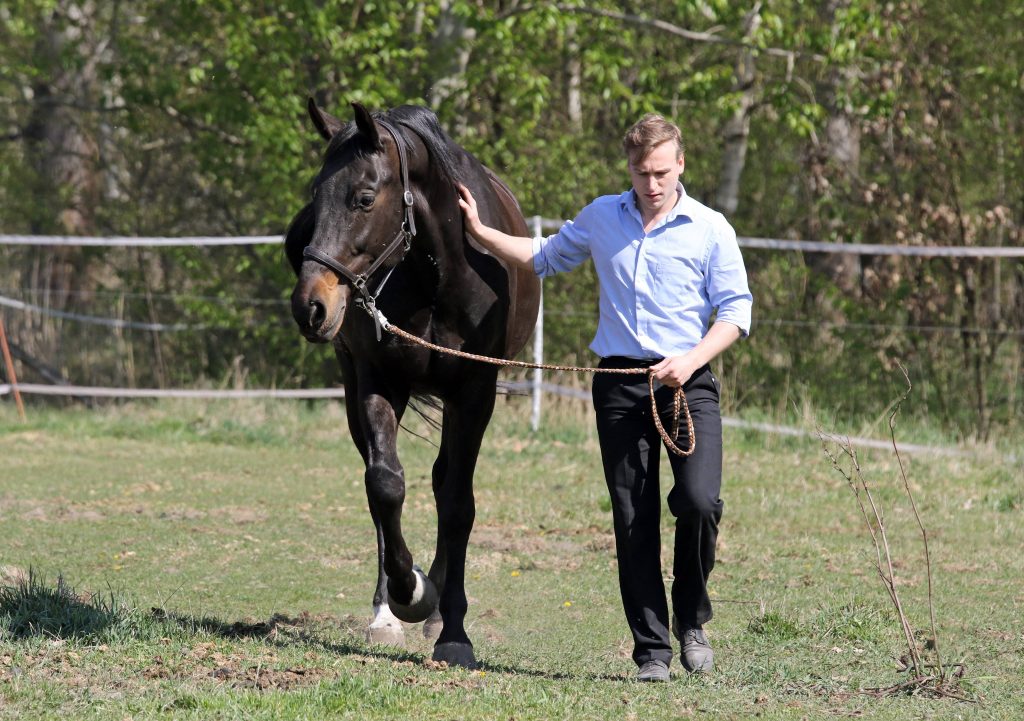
(679, 404)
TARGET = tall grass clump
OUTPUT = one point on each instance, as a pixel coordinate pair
(31, 607)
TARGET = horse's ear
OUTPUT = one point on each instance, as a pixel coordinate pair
(364, 121)
(326, 124)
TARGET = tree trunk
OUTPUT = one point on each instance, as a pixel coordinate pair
(449, 57)
(573, 80)
(737, 127)
(63, 155)
(59, 134)
(836, 163)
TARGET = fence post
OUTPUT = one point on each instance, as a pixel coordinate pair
(538, 344)
(10, 371)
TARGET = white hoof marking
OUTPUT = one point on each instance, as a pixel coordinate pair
(383, 618)
(385, 629)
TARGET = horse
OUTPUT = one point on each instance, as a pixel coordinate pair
(383, 238)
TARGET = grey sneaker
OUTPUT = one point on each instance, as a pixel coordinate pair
(654, 670)
(696, 656)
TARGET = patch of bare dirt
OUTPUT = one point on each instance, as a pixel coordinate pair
(51, 512)
(204, 661)
(531, 541)
(24, 438)
(13, 576)
(241, 514)
(94, 511)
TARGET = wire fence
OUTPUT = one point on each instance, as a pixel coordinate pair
(545, 224)
(15, 304)
(537, 387)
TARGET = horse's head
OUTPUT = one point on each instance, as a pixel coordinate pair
(356, 225)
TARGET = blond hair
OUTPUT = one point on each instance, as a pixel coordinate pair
(649, 132)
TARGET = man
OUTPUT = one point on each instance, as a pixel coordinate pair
(664, 263)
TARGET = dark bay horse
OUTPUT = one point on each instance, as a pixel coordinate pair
(384, 233)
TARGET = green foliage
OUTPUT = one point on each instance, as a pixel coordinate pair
(188, 118)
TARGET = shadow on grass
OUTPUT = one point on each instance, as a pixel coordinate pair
(282, 630)
(30, 607)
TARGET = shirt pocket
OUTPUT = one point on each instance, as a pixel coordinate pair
(677, 283)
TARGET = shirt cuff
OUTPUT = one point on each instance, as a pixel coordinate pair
(538, 257)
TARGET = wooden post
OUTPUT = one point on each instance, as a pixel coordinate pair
(538, 344)
(10, 371)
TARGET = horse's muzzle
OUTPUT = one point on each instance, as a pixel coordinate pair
(319, 309)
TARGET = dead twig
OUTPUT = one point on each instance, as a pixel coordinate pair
(920, 523)
(844, 460)
(875, 523)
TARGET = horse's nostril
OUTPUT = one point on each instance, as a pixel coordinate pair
(317, 314)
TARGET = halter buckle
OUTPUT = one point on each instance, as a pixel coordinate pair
(368, 304)
(407, 198)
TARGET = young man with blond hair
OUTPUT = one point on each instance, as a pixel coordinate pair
(665, 264)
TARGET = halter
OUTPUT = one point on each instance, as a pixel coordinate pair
(368, 300)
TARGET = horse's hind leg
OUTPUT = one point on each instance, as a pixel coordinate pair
(465, 420)
(384, 628)
(439, 566)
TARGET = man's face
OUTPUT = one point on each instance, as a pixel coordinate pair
(655, 178)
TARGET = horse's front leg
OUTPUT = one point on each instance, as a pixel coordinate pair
(465, 420)
(384, 628)
(411, 596)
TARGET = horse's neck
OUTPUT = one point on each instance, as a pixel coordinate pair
(441, 246)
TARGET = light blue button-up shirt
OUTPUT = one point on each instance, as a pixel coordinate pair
(658, 289)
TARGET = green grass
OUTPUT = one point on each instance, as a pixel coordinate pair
(216, 561)
(30, 606)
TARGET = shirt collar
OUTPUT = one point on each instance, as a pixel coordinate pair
(628, 201)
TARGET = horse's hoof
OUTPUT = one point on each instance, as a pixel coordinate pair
(455, 654)
(386, 636)
(432, 626)
(423, 601)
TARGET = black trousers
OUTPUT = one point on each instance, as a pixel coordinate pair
(631, 453)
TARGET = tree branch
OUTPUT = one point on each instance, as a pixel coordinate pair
(193, 124)
(671, 29)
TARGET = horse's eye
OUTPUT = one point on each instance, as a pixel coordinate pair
(366, 201)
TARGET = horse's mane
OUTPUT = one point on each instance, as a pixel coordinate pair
(444, 153)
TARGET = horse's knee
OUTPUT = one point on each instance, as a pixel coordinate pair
(385, 487)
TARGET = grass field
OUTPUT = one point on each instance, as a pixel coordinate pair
(222, 562)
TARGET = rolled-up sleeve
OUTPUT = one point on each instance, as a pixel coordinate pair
(726, 276)
(566, 249)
